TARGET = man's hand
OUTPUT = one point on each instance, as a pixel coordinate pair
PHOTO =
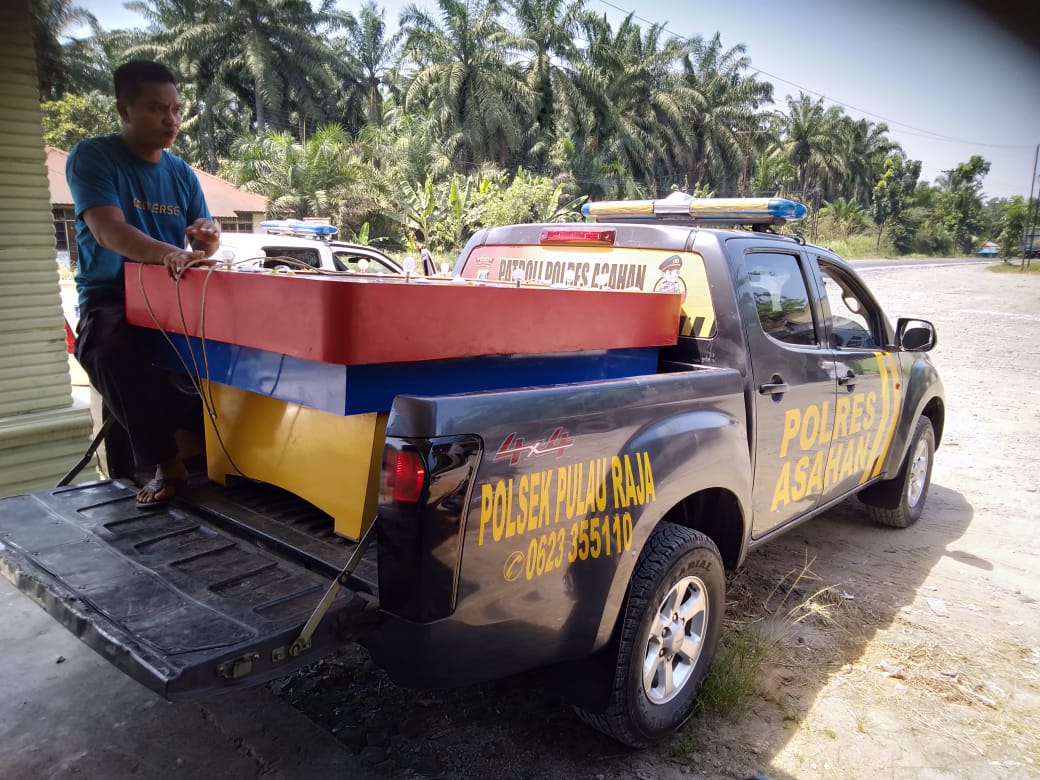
(177, 260)
(203, 235)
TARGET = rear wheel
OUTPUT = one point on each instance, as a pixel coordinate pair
(899, 502)
(669, 632)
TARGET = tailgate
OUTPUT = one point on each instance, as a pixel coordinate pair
(171, 598)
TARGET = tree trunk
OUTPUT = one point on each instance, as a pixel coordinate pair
(261, 124)
(211, 142)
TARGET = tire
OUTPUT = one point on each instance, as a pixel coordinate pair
(899, 502)
(678, 566)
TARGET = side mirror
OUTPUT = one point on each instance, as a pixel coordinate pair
(915, 335)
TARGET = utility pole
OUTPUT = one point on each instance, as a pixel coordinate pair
(1029, 229)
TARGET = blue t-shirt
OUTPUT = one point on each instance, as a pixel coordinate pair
(159, 199)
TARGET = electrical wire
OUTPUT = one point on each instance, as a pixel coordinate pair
(200, 379)
(927, 133)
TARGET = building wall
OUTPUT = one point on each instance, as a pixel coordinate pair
(42, 431)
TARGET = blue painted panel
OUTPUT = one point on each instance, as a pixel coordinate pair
(372, 388)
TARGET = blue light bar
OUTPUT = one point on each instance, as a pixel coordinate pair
(300, 227)
(683, 208)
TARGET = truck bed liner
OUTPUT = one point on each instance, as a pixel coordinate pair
(172, 596)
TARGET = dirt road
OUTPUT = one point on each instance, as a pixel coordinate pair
(916, 653)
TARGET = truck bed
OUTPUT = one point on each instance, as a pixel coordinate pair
(186, 600)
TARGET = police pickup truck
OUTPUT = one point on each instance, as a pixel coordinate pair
(516, 514)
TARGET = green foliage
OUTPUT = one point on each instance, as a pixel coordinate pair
(529, 198)
(74, 117)
(496, 111)
(846, 216)
(55, 54)
(1011, 225)
(892, 198)
(958, 205)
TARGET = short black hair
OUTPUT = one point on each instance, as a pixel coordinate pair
(131, 75)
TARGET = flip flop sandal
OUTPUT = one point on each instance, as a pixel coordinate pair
(157, 485)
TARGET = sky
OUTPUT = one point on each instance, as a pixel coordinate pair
(948, 81)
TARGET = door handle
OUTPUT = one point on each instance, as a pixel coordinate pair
(849, 380)
(775, 386)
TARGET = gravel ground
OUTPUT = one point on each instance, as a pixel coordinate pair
(918, 658)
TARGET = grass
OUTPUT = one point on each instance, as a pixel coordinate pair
(748, 643)
(860, 245)
(1016, 265)
(731, 681)
(685, 745)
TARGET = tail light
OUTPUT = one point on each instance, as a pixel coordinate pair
(403, 476)
(583, 235)
(425, 489)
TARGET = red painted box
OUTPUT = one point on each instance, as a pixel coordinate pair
(357, 320)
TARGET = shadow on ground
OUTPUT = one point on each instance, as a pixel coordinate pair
(860, 574)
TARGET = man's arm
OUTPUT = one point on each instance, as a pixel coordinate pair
(110, 229)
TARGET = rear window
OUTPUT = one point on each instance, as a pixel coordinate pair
(613, 268)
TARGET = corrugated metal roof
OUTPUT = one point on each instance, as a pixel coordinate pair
(223, 198)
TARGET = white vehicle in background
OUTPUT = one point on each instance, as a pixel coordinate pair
(267, 250)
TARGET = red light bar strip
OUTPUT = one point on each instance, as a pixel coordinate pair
(577, 236)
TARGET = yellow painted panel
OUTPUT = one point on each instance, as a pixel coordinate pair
(330, 460)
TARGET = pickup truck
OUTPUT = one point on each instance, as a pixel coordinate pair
(522, 515)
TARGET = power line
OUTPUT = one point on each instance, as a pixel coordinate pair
(927, 133)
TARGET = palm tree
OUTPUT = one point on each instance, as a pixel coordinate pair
(325, 176)
(627, 119)
(371, 54)
(725, 126)
(866, 147)
(812, 142)
(545, 31)
(51, 20)
(406, 148)
(268, 51)
(462, 76)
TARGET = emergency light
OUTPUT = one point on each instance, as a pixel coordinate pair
(299, 227)
(681, 207)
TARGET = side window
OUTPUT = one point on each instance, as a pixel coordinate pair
(854, 322)
(781, 297)
(301, 255)
(348, 261)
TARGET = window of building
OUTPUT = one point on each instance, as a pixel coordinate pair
(235, 225)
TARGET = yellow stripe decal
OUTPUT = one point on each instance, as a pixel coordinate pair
(885, 414)
(895, 379)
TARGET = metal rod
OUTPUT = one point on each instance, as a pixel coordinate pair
(98, 438)
(1029, 229)
(303, 641)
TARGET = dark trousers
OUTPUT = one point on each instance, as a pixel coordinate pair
(117, 357)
